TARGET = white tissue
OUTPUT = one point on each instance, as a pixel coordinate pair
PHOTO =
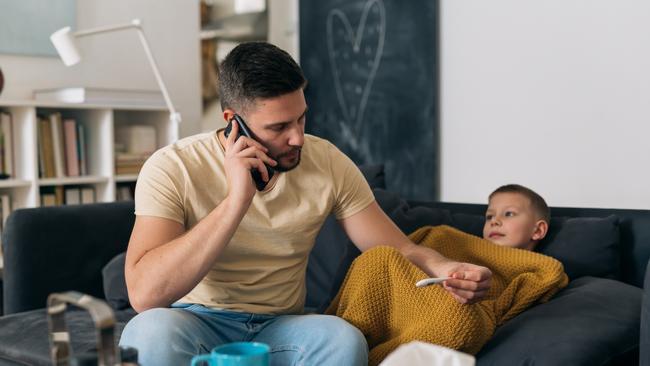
(427, 354)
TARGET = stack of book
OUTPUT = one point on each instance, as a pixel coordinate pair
(133, 146)
(126, 163)
(7, 167)
(67, 195)
(61, 147)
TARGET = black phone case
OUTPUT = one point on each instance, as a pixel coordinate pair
(260, 184)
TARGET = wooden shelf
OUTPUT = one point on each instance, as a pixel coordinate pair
(126, 178)
(14, 183)
(44, 182)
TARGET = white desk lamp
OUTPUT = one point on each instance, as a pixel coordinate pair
(64, 42)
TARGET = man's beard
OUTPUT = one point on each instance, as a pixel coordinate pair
(284, 168)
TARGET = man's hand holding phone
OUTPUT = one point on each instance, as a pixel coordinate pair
(244, 154)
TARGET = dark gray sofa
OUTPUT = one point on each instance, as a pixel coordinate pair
(594, 321)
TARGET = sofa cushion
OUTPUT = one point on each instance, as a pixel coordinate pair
(115, 284)
(591, 322)
(587, 246)
(374, 174)
(330, 246)
(61, 248)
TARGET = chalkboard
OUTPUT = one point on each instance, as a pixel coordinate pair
(372, 68)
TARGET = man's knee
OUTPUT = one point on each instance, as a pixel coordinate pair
(159, 325)
(345, 340)
(344, 333)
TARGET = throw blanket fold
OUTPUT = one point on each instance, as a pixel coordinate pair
(379, 296)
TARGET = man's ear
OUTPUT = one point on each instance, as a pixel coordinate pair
(228, 114)
(541, 228)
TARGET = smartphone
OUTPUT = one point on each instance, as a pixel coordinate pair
(244, 131)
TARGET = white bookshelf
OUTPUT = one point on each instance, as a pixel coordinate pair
(99, 122)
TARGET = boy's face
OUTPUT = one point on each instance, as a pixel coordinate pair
(511, 221)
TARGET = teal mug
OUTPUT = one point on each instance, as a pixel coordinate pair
(236, 354)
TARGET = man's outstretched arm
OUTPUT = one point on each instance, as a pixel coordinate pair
(371, 227)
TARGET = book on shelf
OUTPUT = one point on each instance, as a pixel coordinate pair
(46, 148)
(88, 195)
(72, 195)
(71, 148)
(81, 149)
(48, 199)
(6, 146)
(61, 147)
(101, 96)
(52, 196)
(128, 163)
(67, 195)
(57, 144)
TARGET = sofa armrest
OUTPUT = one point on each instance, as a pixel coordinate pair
(54, 249)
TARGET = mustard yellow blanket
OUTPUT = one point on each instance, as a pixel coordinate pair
(379, 296)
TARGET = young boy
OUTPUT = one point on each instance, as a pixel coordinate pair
(516, 217)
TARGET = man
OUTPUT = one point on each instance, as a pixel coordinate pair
(212, 260)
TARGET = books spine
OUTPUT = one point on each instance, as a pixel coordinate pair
(70, 137)
(57, 145)
(87, 195)
(47, 148)
(72, 195)
(8, 145)
(81, 149)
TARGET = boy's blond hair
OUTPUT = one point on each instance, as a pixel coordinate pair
(537, 202)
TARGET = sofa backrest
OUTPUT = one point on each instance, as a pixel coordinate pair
(589, 242)
(54, 249)
(634, 229)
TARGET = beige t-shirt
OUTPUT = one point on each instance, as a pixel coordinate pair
(262, 269)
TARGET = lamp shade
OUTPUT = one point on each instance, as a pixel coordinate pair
(64, 42)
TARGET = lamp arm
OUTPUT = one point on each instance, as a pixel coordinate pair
(173, 115)
(137, 24)
(134, 24)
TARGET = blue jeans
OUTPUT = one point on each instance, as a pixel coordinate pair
(172, 336)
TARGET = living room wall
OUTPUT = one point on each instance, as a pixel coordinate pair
(552, 94)
(117, 60)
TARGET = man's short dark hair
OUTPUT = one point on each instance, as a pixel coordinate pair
(257, 70)
(537, 202)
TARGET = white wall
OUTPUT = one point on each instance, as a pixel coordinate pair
(282, 32)
(117, 60)
(284, 26)
(552, 94)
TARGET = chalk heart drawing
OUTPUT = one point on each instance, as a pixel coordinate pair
(355, 57)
